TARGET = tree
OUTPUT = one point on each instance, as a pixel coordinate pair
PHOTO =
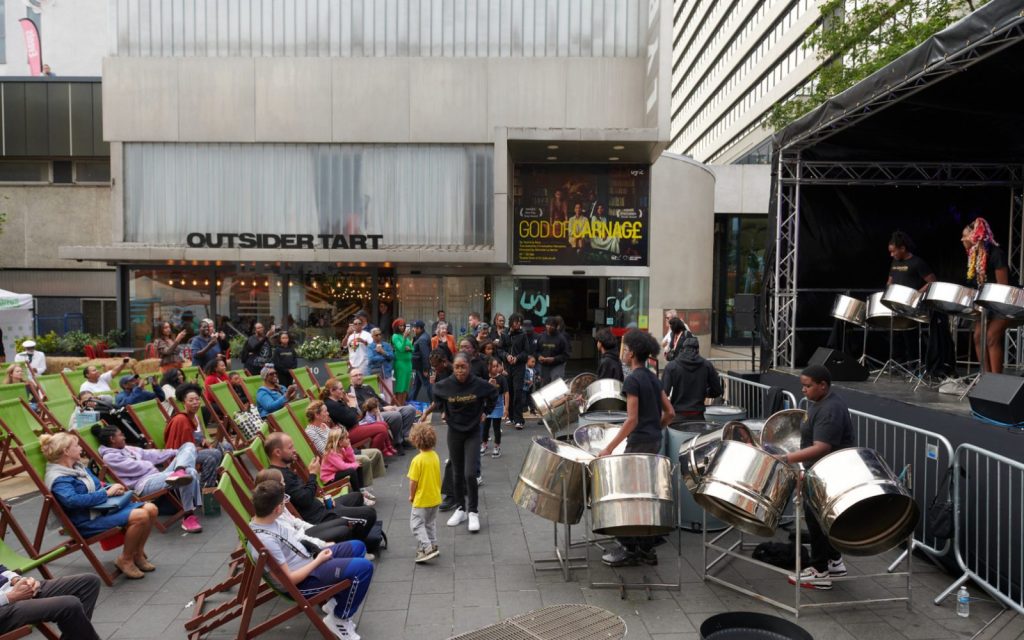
(852, 45)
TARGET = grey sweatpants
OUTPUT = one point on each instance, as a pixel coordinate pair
(423, 522)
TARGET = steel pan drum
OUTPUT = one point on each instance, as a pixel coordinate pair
(861, 505)
(1002, 300)
(950, 298)
(691, 516)
(631, 495)
(579, 384)
(746, 487)
(596, 417)
(781, 433)
(593, 438)
(556, 407)
(539, 489)
(723, 413)
(695, 455)
(879, 315)
(849, 310)
(604, 395)
(905, 301)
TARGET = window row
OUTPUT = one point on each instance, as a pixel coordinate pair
(55, 171)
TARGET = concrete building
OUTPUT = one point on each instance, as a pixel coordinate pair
(297, 165)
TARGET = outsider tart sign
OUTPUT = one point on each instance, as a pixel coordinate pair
(283, 241)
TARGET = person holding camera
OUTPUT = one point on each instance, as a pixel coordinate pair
(207, 345)
(272, 395)
(257, 350)
(96, 382)
(132, 392)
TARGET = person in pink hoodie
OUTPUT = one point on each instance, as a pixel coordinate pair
(339, 462)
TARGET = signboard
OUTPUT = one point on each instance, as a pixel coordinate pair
(573, 215)
(283, 241)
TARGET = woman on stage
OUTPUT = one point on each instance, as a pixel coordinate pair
(986, 262)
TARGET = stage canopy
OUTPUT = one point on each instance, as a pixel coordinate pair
(924, 145)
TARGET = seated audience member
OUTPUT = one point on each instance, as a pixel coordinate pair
(68, 602)
(216, 371)
(272, 395)
(339, 461)
(169, 382)
(312, 572)
(133, 393)
(101, 382)
(137, 469)
(238, 385)
(398, 419)
(184, 426)
(16, 375)
(371, 461)
(78, 490)
(349, 519)
(343, 414)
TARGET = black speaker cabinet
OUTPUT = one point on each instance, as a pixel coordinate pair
(842, 366)
(999, 397)
(744, 311)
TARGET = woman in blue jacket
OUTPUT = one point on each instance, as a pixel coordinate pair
(78, 491)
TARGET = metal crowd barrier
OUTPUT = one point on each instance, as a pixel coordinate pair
(988, 499)
(752, 396)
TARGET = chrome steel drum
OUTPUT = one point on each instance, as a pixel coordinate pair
(604, 395)
(879, 315)
(950, 298)
(696, 455)
(579, 384)
(722, 413)
(556, 407)
(631, 495)
(849, 309)
(781, 433)
(539, 489)
(746, 487)
(691, 516)
(593, 438)
(1002, 300)
(905, 301)
(756, 428)
(596, 417)
(861, 505)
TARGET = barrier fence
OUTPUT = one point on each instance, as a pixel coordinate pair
(752, 396)
(988, 499)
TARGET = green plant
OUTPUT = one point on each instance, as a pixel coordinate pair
(852, 45)
(318, 348)
(237, 341)
(113, 337)
(47, 343)
(73, 342)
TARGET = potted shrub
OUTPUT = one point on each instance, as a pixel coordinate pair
(315, 352)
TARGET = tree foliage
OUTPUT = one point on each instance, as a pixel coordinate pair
(853, 44)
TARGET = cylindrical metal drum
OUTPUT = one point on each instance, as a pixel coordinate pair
(556, 407)
(950, 298)
(781, 432)
(631, 495)
(593, 438)
(601, 417)
(882, 316)
(849, 310)
(696, 453)
(1002, 300)
(722, 413)
(540, 487)
(604, 395)
(861, 505)
(904, 301)
(579, 384)
(746, 487)
(691, 516)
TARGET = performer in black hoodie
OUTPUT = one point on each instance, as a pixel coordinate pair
(519, 348)
(688, 380)
(609, 366)
(552, 350)
(465, 399)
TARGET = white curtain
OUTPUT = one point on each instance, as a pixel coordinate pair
(413, 195)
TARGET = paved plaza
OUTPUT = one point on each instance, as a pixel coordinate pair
(483, 578)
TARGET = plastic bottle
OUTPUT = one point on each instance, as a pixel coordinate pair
(963, 603)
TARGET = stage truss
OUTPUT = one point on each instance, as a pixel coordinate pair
(793, 172)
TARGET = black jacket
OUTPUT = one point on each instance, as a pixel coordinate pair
(610, 367)
(421, 354)
(464, 403)
(342, 414)
(553, 346)
(688, 380)
(364, 392)
(303, 496)
(519, 347)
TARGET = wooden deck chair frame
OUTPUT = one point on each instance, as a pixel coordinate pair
(338, 369)
(17, 437)
(56, 388)
(38, 563)
(51, 410)
(304, 377)
(91, 449)
(25, 631)
(254, 588)
(141, 414)
(223, 393)
(284, 420)
(75, 541)
(252, 385)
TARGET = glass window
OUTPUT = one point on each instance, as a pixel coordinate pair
(180, 296)
(419, 298)
(739, 264)
(89, 171)
(24, 171)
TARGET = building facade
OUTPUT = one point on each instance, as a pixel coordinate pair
(296, 164)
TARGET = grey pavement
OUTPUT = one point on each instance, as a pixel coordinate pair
(483, 578)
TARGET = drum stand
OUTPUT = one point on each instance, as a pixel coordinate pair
(564, 561)
(891, 365)
(646, 585)
(735, 551)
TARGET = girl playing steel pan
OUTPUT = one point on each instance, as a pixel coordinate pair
(986, 262)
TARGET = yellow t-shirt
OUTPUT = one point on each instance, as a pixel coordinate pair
(426, 471)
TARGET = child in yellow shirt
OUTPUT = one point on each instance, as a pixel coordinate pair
(424, 491)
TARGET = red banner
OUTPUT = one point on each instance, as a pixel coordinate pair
(33, 48)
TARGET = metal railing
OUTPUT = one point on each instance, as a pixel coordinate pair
(752, 396)
(988, 498)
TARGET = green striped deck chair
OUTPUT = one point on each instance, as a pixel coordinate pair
(56, 387)
(338, 369)
(304, 378)
(58, 412)
(13, 391)
(152, 419)
(252, 383)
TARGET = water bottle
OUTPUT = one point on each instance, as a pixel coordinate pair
(963, 603)
(329, 502)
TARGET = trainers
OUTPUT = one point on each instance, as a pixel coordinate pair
(435, 550)
(191, 524)
(457, 518)
(427, 554)
(349, 627)
(479, 481)
(366, 494)
(497, 452)
(447, 504)
(811, 578)
(179, 478)
(519, 426)
(648, 557)
(619, 557)
(837, 568)
(474, 522)
(421, 556)
(483, 448)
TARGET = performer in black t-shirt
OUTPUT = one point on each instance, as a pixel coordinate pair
(648, 411)
(986, 262)
(907, 269)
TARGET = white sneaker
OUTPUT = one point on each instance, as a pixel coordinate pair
(474, 522)
(479, 481)
(837, 568)
(457, 518)
(349, 627)
(483, 448)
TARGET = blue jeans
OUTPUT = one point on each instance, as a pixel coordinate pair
(349, 563)
(190, 494)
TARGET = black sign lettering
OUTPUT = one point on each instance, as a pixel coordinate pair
(305, 241)
(358, 241)
(339, 243)
(283, 241)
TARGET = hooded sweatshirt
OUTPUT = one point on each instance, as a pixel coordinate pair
(464, 403)
(689, 379)
(132, 465)
(610, 366)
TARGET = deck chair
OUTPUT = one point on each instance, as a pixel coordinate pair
(338, 369)
(228, 404)
(151, 419)
(284, 420)
(262, 581)
(13, 391)
(57, 413)
(31, 458)
(18, 561)
(252, 384)
(190, 374)
(91, 448)
(304, 378)
(56, 387)
(22, 426)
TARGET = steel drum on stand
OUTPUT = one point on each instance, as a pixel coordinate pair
(551, 471)
(593, 438)
(781, 432)
(723, 413)
(601, 417)
(950, 298)
(631, 495)
(905, 301)
(849, 310)
(879, 315)
(604, 395)
(1003, 301)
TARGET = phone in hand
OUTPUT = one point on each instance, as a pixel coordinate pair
(125, 361)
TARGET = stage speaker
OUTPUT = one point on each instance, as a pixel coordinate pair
(999, 397)
(843, 367)
(744, 312)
